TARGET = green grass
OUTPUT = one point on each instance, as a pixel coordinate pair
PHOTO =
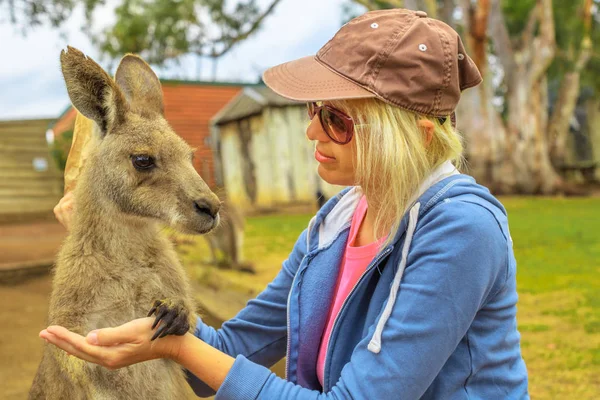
(557, 247)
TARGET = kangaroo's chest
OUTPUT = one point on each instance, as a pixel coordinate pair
(133, 295)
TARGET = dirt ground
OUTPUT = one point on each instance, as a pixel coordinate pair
(25, 303)
(30, 242)
(23, 316)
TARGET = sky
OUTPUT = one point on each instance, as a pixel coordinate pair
(31, 84)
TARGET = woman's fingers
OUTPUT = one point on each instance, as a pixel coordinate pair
(73, 339)
(111, 357)
(67, 346)
(110, 347)
(132, 332)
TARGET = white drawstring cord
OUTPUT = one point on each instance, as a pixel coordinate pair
(375, 343)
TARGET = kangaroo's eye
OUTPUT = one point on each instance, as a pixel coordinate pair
(143, 162)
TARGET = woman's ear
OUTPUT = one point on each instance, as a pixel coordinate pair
(427, 127)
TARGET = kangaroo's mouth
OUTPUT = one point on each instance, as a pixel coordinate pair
(199, 224)
(215, 223)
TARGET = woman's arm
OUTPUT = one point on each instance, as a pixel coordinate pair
(210, 365)
(259, 330)
(458, 259)
(131, 343)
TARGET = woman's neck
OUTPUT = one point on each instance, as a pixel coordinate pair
(366, 233)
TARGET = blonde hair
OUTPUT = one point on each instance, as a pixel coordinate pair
(392, 157)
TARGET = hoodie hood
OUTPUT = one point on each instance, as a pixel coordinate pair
(443, 183)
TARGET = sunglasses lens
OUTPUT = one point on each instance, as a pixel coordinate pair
(334, 126)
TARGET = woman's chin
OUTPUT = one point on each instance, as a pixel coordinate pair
(334, 177)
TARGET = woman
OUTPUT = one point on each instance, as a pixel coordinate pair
(403, 285)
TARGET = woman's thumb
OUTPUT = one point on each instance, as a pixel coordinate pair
(92, 337)
(106, 337)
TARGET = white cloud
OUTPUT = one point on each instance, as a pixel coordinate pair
(31, 84)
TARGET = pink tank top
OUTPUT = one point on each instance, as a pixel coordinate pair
(354, 263)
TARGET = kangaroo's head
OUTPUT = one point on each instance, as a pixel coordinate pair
(140, 164)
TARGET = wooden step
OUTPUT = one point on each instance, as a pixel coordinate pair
(28, 192)
(26, 157)
(19, 123)
(15, 148)
(27, 205)
(26, 174)
(24, 163)
(21, 179)
(50, 186)
(23, 141)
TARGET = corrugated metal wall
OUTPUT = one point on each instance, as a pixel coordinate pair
(268, 162)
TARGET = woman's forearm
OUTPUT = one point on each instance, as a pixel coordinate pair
(209, 364)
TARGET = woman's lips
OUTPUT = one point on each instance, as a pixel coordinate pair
(323, 159)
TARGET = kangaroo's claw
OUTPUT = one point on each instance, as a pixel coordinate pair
(172, 317)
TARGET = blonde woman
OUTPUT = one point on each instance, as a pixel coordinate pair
(401, 287)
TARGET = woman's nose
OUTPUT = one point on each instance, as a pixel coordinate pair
(315, 130)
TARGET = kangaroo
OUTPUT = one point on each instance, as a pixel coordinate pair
(226, 241)
(115, 265)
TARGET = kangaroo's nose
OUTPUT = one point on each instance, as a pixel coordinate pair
(206, 207)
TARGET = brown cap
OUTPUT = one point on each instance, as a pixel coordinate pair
(399, 56)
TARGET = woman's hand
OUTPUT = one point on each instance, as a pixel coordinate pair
(63, 211)
(115, 348)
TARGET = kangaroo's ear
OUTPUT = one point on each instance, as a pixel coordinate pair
(92, 91)
(140, 86)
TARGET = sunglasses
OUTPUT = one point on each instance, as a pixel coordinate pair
(337, 126)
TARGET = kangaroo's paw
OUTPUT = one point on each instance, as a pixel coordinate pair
(172, 316)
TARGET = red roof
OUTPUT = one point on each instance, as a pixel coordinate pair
(65, 122)
(189, 107)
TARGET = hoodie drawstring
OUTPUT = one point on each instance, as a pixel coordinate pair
(375, 343)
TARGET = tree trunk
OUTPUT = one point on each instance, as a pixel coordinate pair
(447, 12)
(593, 120)
(484, 134)
(568, 93)
(527, 155)
(478, 120)
(562, 114)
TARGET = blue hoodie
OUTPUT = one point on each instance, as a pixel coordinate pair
(432, 317)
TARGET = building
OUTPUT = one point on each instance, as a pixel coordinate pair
(264, 160)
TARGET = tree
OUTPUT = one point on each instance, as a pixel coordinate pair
(159, 30)
(537, 41)
(509, 149)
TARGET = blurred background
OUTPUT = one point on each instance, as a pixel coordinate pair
(532, 135)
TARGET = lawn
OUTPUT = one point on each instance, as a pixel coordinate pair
(557, 246)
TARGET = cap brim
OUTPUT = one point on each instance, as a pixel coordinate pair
(306, 79)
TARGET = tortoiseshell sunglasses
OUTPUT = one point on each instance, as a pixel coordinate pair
(338, 126)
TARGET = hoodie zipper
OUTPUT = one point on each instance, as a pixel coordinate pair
(287, 351)
(335, 321)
